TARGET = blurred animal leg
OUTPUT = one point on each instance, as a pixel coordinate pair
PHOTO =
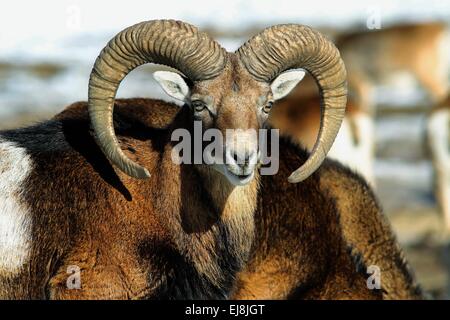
(438, 140)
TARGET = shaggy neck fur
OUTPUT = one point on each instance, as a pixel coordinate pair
(212, 223)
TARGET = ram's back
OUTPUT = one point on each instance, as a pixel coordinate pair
(56, 186)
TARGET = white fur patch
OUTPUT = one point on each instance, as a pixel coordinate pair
(15, 219)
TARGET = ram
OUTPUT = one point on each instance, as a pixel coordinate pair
(80, 218)
(438, 134)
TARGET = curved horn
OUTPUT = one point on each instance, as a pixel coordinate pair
(172, 43)
(284, 47)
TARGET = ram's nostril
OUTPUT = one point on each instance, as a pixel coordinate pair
(247, 159)
(242, 159)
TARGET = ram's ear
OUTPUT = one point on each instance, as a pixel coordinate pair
(173, 84)
(285, 82)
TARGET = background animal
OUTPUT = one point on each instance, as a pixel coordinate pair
(419, 51)
(438, 139)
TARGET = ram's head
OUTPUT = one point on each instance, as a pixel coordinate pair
(224, 90)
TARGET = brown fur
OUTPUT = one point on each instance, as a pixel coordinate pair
(149, 243)
(131, 238)
(319, 246)
(299, 251)
(367, 231)
(364, 227)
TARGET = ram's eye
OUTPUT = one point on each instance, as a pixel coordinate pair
(268, 107)
(198, 106)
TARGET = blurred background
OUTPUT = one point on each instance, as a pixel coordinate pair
(396, 132)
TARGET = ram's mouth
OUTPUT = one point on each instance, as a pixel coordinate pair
(238, 179)
(244, 176)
